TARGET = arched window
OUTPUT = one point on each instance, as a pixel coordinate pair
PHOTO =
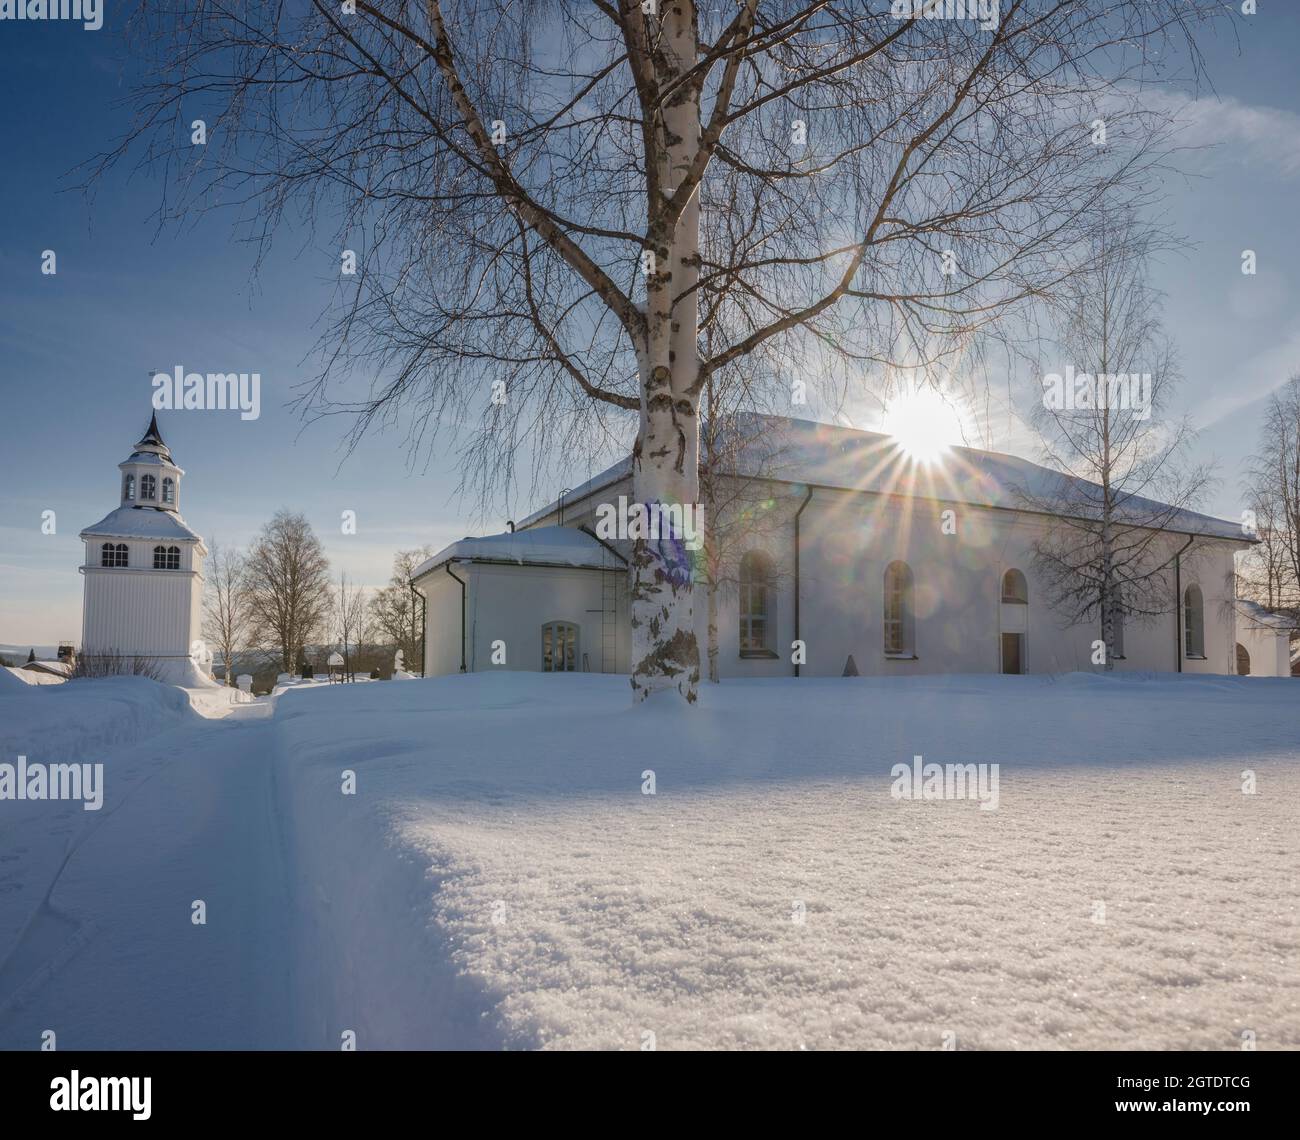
(559, 647)
(166, 557)
(1193, 623)
(147, 487)
(169, 490)
(757, 606)
(112, 555)
(899, 620)
(128, 488)
(1014, 588)
(1243, 661)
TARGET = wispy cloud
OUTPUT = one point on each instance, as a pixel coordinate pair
(1256, 132)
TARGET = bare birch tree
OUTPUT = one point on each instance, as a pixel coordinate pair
(348, 617)
(227, 619)
(548, 202)
(395, 611)
(1273, 567)
(1105, 553)
(288, 586)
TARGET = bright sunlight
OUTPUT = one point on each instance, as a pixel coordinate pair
(924, 423)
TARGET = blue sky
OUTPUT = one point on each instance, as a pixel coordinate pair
(77, 348)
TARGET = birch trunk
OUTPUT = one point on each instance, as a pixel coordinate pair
(665, 460)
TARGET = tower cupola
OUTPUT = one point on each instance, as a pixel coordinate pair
(150, 478)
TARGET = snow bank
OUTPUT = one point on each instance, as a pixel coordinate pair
(500, 877)
(71, 721)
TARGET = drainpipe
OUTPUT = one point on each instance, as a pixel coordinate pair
(807, 499)
(1178, 601)
(418, 599)
(447, 567)
(566, 491)
(511, 524)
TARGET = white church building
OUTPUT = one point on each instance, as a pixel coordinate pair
(875, 563)
(143, 568)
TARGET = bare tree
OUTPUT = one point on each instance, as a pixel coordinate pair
(740, 453)
(226, 614)
(1274, 496)
(288, 585)
(1105, 552)
(395, 611)
(548, 202)
(348, 618)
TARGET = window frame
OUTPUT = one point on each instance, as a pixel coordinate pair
(898, 613)
(756, 604)
(1008, 599)
(1193, 623)
(166, 557)
(569, 643)
(148, 488)
(168, 490)
(114, 556)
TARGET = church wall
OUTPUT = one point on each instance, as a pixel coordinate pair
(441, 623)
(511, 604)
(140, 613)
(848, 540)
(1270, 651)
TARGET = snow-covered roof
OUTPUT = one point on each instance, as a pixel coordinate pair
(142, 522)
(136, 458)
(805, 452)
(541, 546)
(1258, 615)
(62, 668)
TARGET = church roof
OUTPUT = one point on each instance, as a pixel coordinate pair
(141, 522)
(804, 452)
(542, 546)
(1259, 616)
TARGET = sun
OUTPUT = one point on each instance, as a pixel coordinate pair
(924, 423)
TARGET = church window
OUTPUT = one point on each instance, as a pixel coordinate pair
(147, 487)
(111, 554)
(1193, 622)
(899, 614)
(128, 491)
(1015, 589)
(757, 606)
(559, 647)
(169, 490)
(166, 557)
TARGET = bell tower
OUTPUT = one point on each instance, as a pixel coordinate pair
(143, 570)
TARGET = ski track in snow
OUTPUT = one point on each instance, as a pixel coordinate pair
(500, 880)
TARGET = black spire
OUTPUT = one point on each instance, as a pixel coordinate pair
(153, 440)
(153, 435)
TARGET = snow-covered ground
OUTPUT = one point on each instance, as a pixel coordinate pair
(500, 820)
(500, 877)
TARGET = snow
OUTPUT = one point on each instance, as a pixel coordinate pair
(1258, 616)
(545, 546)
(500, 822)
(34, 676)
(499, 879)
(141, 522)
(828, 455)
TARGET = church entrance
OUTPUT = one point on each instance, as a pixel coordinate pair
(1013, 653)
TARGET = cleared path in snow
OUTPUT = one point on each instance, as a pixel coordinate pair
(110, 958)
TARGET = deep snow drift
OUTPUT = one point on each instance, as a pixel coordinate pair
(772, 892)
